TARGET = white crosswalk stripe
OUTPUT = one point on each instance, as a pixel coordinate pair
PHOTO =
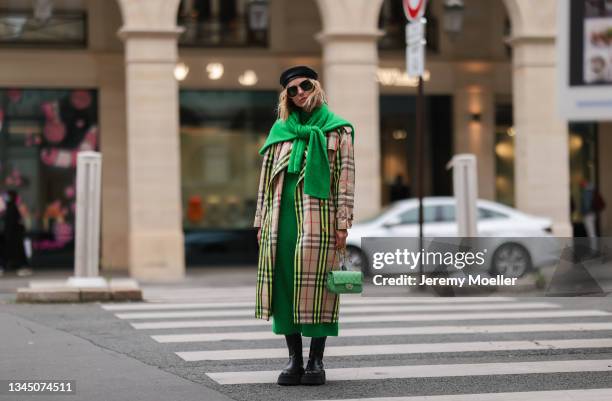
(377, 318)
(345, 310)
(539, 326)
(420, 371)
(473, 346)
(347, 300)
(392, 331)
(603, 394)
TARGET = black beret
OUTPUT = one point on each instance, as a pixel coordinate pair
(295, 72)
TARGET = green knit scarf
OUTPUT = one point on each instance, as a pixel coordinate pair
(300, 128)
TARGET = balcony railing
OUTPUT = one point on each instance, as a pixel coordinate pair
(247, 27)
(19, 28)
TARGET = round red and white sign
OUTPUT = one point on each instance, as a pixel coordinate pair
(413, 9)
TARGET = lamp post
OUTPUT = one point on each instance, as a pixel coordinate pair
(453, 15)
(43, 11)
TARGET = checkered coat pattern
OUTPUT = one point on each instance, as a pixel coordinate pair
(317, 221)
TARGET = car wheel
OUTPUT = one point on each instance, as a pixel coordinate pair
(356, 260)
(511, 260)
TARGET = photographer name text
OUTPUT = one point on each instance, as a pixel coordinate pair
(408, 280)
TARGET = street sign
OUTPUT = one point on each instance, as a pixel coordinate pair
(415, 32)
(414, 9)
(415, 48)
(415, 60)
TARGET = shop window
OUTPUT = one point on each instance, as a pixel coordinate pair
(221, 134)
(504, 154)
(43, 25)
(223, 23)
(398, 146)
(583, 166)
(393, 23)
(41, 132)
(582, 144)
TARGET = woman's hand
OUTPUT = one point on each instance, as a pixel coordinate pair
(259, 235)
(341, 238)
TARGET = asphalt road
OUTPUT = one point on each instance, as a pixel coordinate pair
(399, 347)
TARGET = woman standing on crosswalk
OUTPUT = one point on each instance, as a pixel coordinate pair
(304, 208)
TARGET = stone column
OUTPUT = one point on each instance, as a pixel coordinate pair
(110, 69)
(350, 59)
(113, 144)
(156, 241)
(541, 141)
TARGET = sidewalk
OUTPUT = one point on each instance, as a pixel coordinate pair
(196, 277)
(100, 374)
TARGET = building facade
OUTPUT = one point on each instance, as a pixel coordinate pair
(178, 96)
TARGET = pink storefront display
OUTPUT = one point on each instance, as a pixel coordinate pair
(47, 128)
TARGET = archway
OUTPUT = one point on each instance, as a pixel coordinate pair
(349, 44)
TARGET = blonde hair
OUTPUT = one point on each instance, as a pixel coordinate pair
(315, 99)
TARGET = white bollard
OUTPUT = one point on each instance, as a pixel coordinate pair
(465, 189)
(87, 239)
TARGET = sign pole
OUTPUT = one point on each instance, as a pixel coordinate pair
(420, 139)
(415, 63)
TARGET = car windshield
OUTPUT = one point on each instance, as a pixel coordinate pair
(377, 215)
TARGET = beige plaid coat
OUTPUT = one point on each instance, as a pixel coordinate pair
(317, 221)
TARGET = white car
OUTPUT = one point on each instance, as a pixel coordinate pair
(510, 232)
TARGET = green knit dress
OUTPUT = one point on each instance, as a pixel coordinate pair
(282, 285)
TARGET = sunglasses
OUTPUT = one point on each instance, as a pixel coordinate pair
(306, 86)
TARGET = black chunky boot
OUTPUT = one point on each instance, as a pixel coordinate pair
(314, 373)
(292, 374)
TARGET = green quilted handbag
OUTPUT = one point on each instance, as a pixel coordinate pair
(344, 281)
